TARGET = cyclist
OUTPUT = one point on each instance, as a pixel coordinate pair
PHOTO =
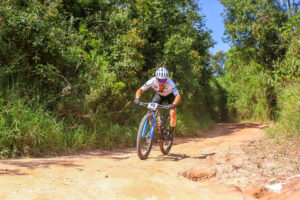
(165, 91)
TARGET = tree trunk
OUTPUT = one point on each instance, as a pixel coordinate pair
(289, 4)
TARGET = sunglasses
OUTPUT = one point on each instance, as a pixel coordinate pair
(162, 80)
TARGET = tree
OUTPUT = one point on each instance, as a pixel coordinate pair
(253, 27)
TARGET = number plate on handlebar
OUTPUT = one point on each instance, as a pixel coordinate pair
(152, 106)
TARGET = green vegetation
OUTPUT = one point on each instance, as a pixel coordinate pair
(288, 125)
(69, 69)
(262, 70)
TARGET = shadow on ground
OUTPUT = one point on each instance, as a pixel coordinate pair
(223, 129)
(37, 164)
(11, 172)
(178, 157)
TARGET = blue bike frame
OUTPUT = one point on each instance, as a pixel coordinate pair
(152, 128)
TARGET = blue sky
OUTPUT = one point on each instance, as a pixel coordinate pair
(212, 9)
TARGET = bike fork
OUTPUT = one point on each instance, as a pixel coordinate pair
(152, 127)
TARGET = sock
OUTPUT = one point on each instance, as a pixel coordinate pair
(172, 129)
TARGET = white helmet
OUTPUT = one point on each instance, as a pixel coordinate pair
(161, 73)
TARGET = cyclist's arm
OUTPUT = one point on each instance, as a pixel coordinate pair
(176, 93)
(177, 99)
(143, 88)
(138, 93)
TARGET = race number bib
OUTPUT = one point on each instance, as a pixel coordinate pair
(152, 106)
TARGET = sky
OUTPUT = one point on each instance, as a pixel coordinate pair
(212, 9)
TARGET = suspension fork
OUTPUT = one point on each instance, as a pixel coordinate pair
(152, 127)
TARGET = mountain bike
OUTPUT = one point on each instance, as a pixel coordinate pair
(152, 127)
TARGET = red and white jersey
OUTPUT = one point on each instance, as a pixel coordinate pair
(169, 88)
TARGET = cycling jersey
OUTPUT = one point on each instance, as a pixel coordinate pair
(168, 89)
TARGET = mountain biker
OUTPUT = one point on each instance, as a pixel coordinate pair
(165, 91)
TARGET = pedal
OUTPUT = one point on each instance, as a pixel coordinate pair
(170, 136)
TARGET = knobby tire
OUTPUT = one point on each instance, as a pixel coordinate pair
(165, 142)
(144, 155)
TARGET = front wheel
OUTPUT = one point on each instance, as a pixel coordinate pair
(144, 138)
(166, 136)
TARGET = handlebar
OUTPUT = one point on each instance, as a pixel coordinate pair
(160, 106)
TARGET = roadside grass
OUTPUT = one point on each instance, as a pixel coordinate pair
(188, 124)
(287, 127)
(30, 130)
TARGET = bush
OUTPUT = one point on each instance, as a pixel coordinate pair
(288, 124)
(62, 60)
(28, 131)
(189, 124)
(249, 93)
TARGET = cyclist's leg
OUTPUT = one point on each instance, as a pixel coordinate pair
(157, 98)
(171, 99)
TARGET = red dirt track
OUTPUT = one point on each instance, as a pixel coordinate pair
(225, 163)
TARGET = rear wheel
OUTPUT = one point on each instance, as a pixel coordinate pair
(166, 137)
(144, 142)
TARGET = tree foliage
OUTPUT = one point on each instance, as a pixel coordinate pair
(253, 27)
(264, 59)
(82, 60)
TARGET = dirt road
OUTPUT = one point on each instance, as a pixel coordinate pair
(224, 163)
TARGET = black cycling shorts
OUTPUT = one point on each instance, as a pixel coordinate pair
(160, 99)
